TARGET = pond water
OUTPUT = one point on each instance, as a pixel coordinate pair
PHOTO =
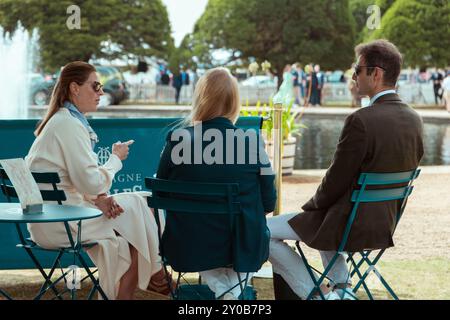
(316, 146)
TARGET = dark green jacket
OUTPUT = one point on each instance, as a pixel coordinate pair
(204, 240)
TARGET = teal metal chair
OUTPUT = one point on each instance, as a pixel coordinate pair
(5, 295)
(76, 249)
(387, 189)
(190, 242)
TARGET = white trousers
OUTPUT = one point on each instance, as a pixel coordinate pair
(222, 279)
(289, 264)
(447, 99)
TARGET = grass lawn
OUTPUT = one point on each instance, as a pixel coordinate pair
(411, 279)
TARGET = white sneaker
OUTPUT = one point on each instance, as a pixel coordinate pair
(345, 294)
(328, 296)
(229, 296)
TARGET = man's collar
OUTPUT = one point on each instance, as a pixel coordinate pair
(380, 94)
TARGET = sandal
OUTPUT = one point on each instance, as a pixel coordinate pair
(161, 286)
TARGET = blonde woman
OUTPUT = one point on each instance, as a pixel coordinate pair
(127, 253)
(216, 107)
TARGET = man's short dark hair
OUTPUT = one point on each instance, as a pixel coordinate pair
(384, 54)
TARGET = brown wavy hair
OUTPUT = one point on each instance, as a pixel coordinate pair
(77, 71)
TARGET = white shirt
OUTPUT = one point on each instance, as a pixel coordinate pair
(379, 94)
(446, 83)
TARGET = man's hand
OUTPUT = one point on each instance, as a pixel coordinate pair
(109, 206)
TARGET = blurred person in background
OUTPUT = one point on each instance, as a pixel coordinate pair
(437, 78)
(446, 87)
(313, 83)
(286, 90)
(296, 80)
(320, 83)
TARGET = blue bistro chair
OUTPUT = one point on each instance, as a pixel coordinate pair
(387, 190)
(202, 225)
(76, 249)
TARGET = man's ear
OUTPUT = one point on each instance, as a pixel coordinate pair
(378, 75)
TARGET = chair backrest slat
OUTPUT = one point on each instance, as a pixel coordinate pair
(40, 177)
(53, 195)
(202, 223)
(191, 206)
(189, 188)
(47, 195)
(381, 195)
(388, 178)
(193, 197)
(46, 177)
(9, 191)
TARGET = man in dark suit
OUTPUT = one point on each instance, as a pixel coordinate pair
(437, 79)
(314, 97)
(384, 137)
(320, 83)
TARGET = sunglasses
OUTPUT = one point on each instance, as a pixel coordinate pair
(358, 68)
(97, 86)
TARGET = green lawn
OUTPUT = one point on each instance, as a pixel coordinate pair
(413, 279)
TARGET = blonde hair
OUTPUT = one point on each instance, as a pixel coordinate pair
(216, 95)
(77, 71)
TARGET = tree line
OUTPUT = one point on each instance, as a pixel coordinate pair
(108, 28)
(280, 31)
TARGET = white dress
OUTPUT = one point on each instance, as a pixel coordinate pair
(64, 147)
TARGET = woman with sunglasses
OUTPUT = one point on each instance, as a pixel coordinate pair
(127, 253)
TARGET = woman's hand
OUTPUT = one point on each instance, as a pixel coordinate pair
(121, 149)
(109, 206)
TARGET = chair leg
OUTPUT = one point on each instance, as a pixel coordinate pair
(372, 267)
(322, 277)
(52, 286)
(357, 265)
(73, 293)
(173, 293)
(44, 288)
(177, 293)
(310, 272)
(361, 281)
(92, 292)
(243, 287)
(94, 288)
(63, 276)
(3, 293)
(386, 285)
(91, 275)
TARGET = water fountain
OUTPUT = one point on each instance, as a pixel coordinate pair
(17, 56)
